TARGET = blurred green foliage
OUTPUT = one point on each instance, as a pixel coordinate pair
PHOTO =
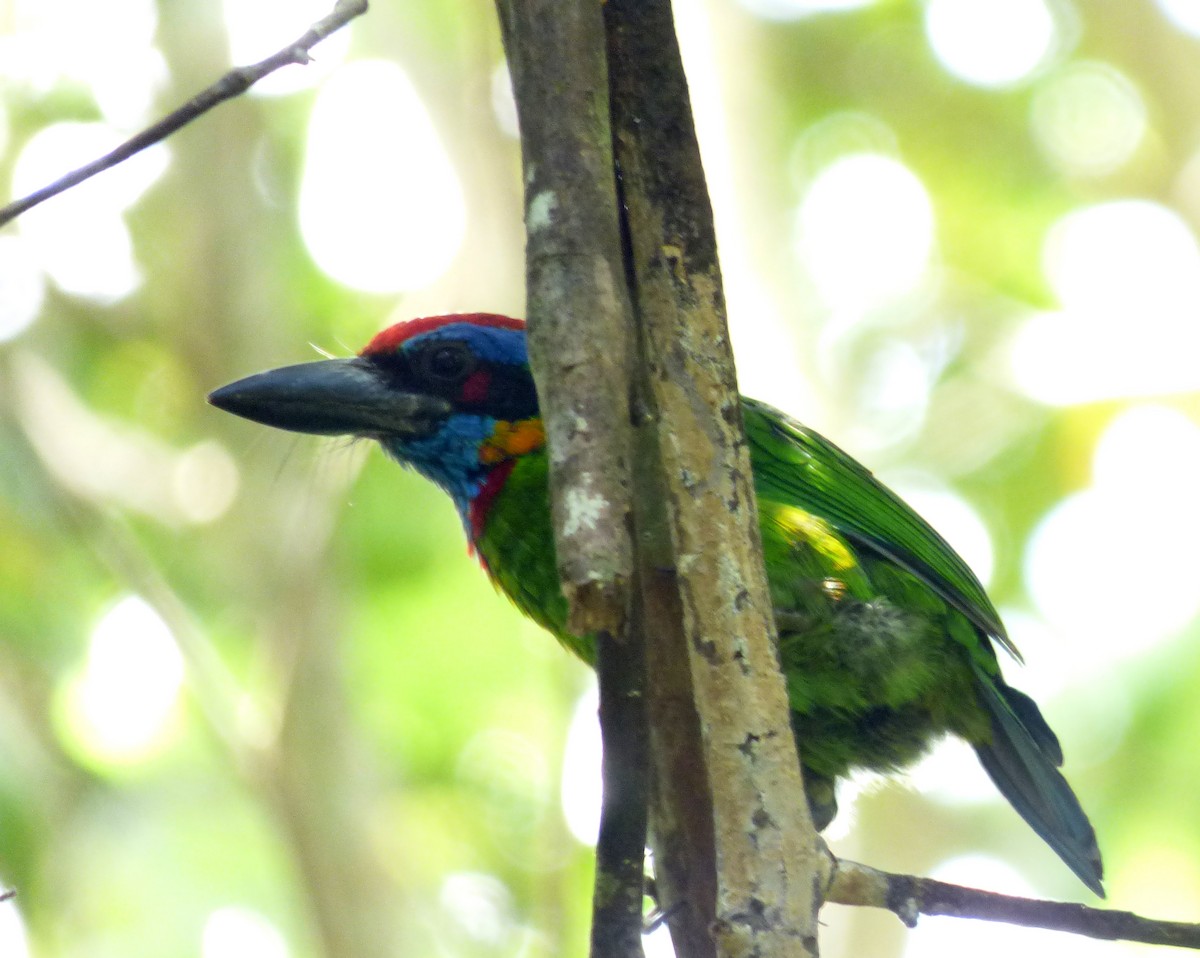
(365, 752)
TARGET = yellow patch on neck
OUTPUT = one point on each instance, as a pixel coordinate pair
(512, 439)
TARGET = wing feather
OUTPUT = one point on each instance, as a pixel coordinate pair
(795, 466)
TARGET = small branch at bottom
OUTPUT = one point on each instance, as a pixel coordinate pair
(909, 897)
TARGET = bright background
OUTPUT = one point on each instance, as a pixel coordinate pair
(253, 694)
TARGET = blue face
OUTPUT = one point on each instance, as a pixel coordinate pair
(484, 372)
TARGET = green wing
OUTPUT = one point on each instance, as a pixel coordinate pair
(795, 466)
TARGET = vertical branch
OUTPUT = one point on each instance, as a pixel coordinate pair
(621, 844)
(703, 589)
(681, 820)
(579, 334)
(770, 874)
(578, 307)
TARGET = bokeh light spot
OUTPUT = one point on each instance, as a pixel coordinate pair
(13, 941)
(1123, 606)
(795, 9)
(1134, 253)
(504, 106)
(479, 906)
(990, 43)
(106, 48)
(1185, 14)
(205, 482)
(1150, 434)
(581, 785)
(1115, 561)
(893, 395)
(865, 231)
(119, 708)
(839, 134)
(238, 932)
(658, 943)
(1128, 276)
(22, 287)
(80, 238)
(381, 208)
(1088, 117)
(951, 774)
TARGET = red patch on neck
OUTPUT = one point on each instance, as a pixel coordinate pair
(392, 338)
(481, 505)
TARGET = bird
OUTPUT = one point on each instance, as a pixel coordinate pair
(887, 640)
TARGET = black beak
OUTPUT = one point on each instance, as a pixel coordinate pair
(332, 397)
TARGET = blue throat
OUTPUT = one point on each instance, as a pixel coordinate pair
(450, 458)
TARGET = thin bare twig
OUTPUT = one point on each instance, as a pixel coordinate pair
(6, 895)
(909, 897)
(232, 84)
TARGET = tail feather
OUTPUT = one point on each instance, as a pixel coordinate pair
(1022, 759)
(1030, 716)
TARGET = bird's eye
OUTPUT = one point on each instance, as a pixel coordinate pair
(447, 362)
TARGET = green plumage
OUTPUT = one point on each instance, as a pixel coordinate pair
(885, 634)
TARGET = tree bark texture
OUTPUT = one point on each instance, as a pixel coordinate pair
(771, 868)
(580, 328)
(578, 307)
(727, 784)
